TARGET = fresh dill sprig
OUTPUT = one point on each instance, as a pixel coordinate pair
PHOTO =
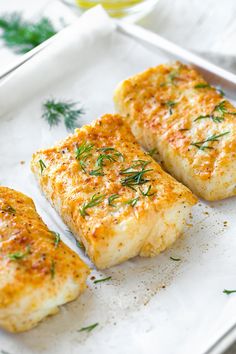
(170, 105)
(97, 172)
(52, 269)
(172, 76)
(57, 238)
(220, 91)
(215, 119)
(9, 209)
(113, 151)
(135, 177)
(89, 328)
(79, 244)
(55, 111)
(112, 198)
(101, 280)
(202, 85)
(82, 152)
(148, 192)
(152, 152)
(175, 259)
(200, 144)
(22, 35)
(42, 166)
(19, 255)
(102, 158)
(228, 292)
(95, 200)
(220, 110)
(132, 202)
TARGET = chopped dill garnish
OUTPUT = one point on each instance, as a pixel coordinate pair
(170, 105)
(95, 200)
(152, 152)
(55, 111)
(22, 35)
(102, 158)
(202, 85)
(112, 198)
(200, 144)
(82, 152)
(228, 292)
(89, 328)
(172, 76)
(132, 202)
(19, 255)
(148, 192)
(221, 92)
(97, 172)
(57, 238)
(135, 177)
(220, 110)
(175, 259)
(79, 244)
(42, 166)
(113, 151)
(9, 209)
(101, 280)
(215, 119)
(52, 269)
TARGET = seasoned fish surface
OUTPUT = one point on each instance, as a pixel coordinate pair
(172, 109)
(114, 197)
(38, 272)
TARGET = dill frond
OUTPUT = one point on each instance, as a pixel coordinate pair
(22, 35)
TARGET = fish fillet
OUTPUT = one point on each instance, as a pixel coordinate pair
(173, 111)
(38, 272)
(113, 196)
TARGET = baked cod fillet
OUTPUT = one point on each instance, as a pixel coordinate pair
(173, 110)
(114, 197)
(38, 272)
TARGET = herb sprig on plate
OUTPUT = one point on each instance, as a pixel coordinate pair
(82, 152)
(228, 292)
(95, 200)
(9, 209)
(134, 176)
(217, 114)
(89, 328)
(54, 111)
(22, 35)
(19, 255)
(201, 145)
(101, 280)
(42, 166)
(57, 238)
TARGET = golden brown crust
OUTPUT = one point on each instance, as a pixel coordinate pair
(33, 263)
(68, 187)
(165, 106)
